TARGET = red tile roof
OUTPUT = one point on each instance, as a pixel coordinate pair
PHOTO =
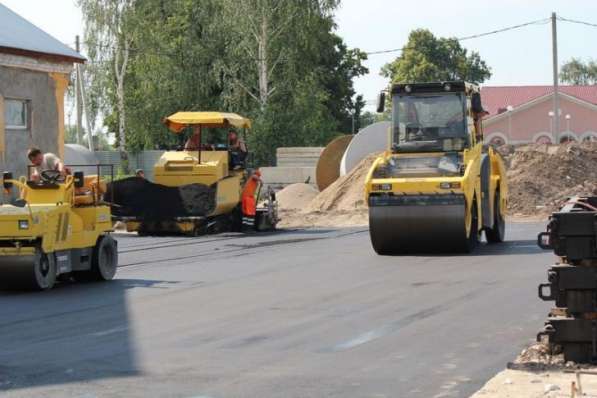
(495, 98)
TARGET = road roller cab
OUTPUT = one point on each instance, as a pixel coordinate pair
(55, 228)
(436, 187)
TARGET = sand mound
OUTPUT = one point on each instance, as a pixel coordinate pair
(296, 196)
(341, 204)
(346, 193)
(541, 177)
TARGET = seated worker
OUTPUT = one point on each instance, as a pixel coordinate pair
(237, 149)
(45, 161)
(194, 141)
(140, 173)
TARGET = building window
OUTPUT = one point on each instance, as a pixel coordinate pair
(16, 114)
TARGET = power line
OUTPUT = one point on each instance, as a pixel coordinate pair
(537, 22)
(543, 21)
(577, 22)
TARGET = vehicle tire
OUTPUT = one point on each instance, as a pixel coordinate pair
(104, 262)
(43, 271)
(105, 259)
(498, 232)
(473, 239)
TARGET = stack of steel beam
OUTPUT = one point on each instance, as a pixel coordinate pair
(572, 282)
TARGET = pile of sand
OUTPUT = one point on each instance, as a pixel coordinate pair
(347, 193)
(296, 196)
(540, 178)
(341, 204)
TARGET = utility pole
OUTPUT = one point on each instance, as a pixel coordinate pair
(556, 99)
(89, 131)
(78, 102)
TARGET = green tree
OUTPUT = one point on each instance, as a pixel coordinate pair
(427, 58)
(108, 39)
(579, 73)
(367, 118)
(277, 62)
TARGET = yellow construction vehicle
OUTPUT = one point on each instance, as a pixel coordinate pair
(57, 228)
(436, 187)
(195, 191)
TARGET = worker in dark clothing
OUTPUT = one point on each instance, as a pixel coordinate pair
(237, 149)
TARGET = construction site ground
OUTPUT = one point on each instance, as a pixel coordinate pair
(296, 313)
(538, 384)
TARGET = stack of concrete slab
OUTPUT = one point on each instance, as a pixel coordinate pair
(294, 165)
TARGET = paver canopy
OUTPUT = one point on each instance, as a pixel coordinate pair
(180, 120)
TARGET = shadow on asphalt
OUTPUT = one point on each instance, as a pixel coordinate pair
(507, 248)
(72, 333)
(513, 247)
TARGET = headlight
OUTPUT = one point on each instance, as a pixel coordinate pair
(381, 187)
(23, 224)
(450, 185)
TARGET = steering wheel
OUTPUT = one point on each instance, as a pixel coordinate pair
(50, 176)
(414, 131)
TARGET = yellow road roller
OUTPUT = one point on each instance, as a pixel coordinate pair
(57, 227)
(436, 187)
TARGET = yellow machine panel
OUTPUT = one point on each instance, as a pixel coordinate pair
(176, 168)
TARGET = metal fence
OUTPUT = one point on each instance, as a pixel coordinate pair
(141, 160)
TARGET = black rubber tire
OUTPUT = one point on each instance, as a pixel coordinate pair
(43, 271)
(105, 259)
(473, 239)
(498, 232)
(104, 262)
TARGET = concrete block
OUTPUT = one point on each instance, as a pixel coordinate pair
(281, 176)
(298, 156)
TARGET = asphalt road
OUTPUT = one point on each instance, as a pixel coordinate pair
(294, 314)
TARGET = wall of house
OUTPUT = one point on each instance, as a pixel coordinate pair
(45, 119)
(534, 123)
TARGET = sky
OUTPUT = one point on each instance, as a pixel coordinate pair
(517, 57)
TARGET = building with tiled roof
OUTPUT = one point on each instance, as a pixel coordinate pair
(524, 114)
(34, 75)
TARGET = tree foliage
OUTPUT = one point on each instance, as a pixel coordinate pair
(278, 62)
(427, 58)
(577, 72)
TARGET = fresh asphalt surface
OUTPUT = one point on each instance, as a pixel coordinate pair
(306, 313)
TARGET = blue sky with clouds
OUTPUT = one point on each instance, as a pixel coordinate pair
(517, 57)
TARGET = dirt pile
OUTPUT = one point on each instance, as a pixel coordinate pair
(296, 196)
(347, 192)
(341, 204)
(538, 356)
(541, 177)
